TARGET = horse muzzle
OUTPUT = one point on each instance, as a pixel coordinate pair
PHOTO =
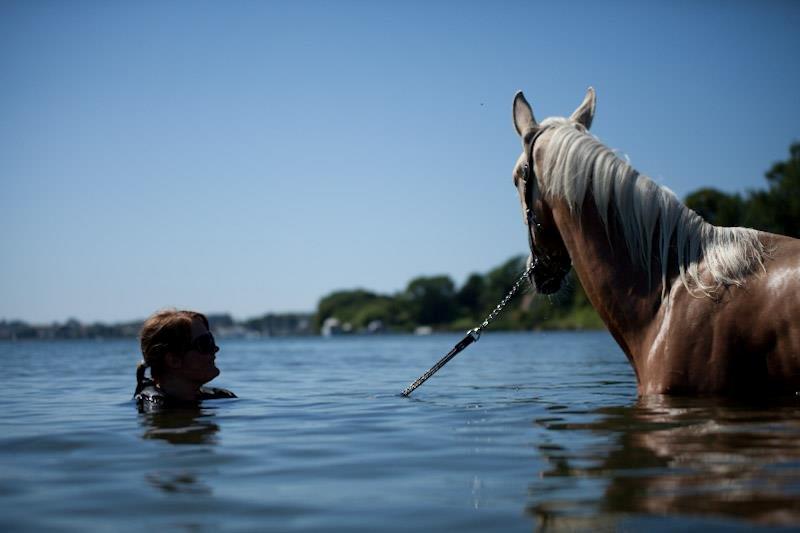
(548, 276)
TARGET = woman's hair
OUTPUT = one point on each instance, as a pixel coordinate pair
(169, 330)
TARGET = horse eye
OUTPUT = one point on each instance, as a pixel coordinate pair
(525, 171)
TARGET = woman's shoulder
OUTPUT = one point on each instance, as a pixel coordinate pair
(149, 396)
(215, 393)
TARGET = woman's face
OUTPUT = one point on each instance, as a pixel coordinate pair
(198, 362)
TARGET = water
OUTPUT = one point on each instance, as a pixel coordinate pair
(520, 432)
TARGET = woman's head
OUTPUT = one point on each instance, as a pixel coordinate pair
(178, 345)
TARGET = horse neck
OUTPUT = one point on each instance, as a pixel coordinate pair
(624, 295)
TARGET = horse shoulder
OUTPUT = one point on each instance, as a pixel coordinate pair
(676, 349)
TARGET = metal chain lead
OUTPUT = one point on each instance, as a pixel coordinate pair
(504, 301)
(472, 335)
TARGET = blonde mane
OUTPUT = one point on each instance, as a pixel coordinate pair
(576, 164)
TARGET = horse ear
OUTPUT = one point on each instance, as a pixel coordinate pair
(523, 115)
(585, 112)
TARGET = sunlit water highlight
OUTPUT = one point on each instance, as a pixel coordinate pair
(520, 432)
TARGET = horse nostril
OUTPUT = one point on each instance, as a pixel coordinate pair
(549, 286)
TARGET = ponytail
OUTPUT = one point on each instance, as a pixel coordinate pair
(140, 379)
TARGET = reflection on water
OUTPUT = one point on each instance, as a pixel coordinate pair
(177, 482)
(189, 425)
(186, 425)
(673, 456)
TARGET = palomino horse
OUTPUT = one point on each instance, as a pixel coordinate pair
(697, 309)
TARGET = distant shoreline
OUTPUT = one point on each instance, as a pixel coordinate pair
(16, 331)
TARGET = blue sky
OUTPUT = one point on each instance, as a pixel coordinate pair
(247, 157)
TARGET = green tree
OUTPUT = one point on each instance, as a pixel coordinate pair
(717, 207)
(432, 299)
(778, 208)
(395, 314)
(470, 296)
(343, 305)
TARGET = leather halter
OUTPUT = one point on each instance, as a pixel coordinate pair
(529, 183)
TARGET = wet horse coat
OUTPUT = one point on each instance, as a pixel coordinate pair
(697, 309)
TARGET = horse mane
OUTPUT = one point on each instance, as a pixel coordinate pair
(577, 163)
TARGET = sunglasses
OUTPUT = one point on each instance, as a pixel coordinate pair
(204, 344)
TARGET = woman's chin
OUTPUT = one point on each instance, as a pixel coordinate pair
(211, 374)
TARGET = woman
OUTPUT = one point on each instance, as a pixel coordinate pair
(179, 350)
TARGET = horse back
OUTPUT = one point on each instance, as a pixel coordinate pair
(745, 341)
(775, 298)
(756, 328)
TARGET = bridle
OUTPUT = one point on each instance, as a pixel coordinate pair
(528, 186)
(542, 262)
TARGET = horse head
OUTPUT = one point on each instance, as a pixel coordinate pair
(549, 256)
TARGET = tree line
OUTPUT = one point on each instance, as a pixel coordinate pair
(437, 301)
(775, 209)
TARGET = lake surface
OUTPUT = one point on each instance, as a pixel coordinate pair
(521, 432)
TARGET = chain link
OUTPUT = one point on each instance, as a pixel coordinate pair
(476, 332)
(472, 335)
